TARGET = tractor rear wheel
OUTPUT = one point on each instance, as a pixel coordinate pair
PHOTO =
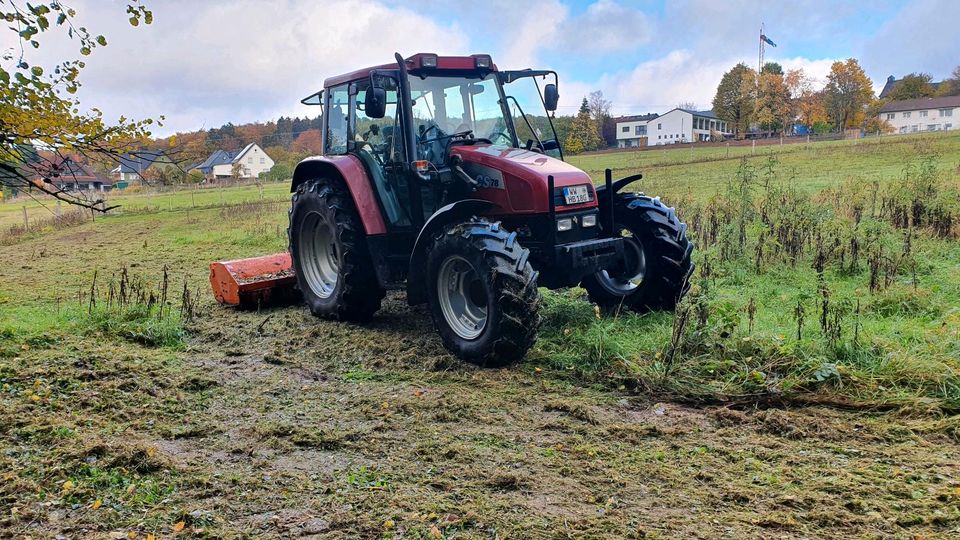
(658, 265)
(329, 252)
(482, 293)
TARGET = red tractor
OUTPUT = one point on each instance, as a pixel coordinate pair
(426, 184)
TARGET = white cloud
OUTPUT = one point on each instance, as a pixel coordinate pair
(204, 64)
(605, 26)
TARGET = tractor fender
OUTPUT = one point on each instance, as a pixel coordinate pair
(416, 289)
(349, 170)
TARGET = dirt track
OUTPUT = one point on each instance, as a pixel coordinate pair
(340, 431)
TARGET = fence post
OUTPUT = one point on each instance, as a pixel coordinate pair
(26, 222)
(728, 149)
(221, 195)
(753, 147)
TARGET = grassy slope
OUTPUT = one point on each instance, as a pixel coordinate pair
(703, 171)
(300, 426)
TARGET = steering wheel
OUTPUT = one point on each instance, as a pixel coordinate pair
(496, 136)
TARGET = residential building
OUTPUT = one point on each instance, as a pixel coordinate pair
(632, 130)
(892, 82)
(68, 175)
(133, 166)
(922, 114)
(684, 126)
(249, 162)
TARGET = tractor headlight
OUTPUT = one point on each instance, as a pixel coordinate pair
(482, 61)
(564, 224)
(428, 60)
(589, 220)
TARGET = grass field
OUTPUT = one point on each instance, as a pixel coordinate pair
(739, 416)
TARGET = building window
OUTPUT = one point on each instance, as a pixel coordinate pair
(906, 114)
(913, 128)
(931, 127)
(263, 161)
(946, 112)
(640, 130)
(890, 116)
(658, 136)
(903, 129)
(947, 127)
(626, 129)
(659, 126)
(249, 161)
(923, 114)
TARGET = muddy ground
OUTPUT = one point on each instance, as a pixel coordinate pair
(274, 424)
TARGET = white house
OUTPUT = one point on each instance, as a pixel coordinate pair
(247, 163)
(675, 126)
(922, 114)
(632, 130)
(684, 126)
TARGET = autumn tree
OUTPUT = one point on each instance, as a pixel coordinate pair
(848, 92)
(600, 114)
(308, 142)
(912, 86)
(774, 102)
(951, 85)
(736, 98)
(37, 107)
(584, 134)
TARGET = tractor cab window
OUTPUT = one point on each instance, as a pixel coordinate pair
(529, 117)
(336, 113)
(447, 106)
(378, 142)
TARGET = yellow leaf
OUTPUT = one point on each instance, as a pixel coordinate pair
(131, 488)
(96, 504)
(435, 532)
(150, 536)
(67, 486)
(384, 405)
(34, 397)
(388, 524)
(151, 451)
(132, 534)
(179, 526)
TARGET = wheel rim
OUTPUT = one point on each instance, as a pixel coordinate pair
(635, 267)
(462, 298)
(320, 260)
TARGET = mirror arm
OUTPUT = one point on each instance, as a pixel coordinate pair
(550, 116)
(524, 115)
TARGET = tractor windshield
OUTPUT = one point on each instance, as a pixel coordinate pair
(445, 106)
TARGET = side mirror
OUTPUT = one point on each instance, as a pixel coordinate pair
(375, 102)
(550, 97)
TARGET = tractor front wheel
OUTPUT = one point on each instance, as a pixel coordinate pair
(329, 252)
(658, 266)
(482, 293)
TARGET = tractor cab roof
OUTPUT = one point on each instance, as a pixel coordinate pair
(421, 63)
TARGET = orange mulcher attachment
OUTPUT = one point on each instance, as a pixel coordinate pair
(254, 282)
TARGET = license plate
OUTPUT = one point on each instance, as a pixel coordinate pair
(576, 194)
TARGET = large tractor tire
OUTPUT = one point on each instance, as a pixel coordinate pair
(482, 293)
(658, 265)
(329, 252)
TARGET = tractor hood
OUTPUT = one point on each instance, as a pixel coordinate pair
(522, 174)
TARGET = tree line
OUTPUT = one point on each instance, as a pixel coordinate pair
(774, 100)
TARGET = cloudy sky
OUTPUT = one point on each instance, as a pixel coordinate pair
(203, 63)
